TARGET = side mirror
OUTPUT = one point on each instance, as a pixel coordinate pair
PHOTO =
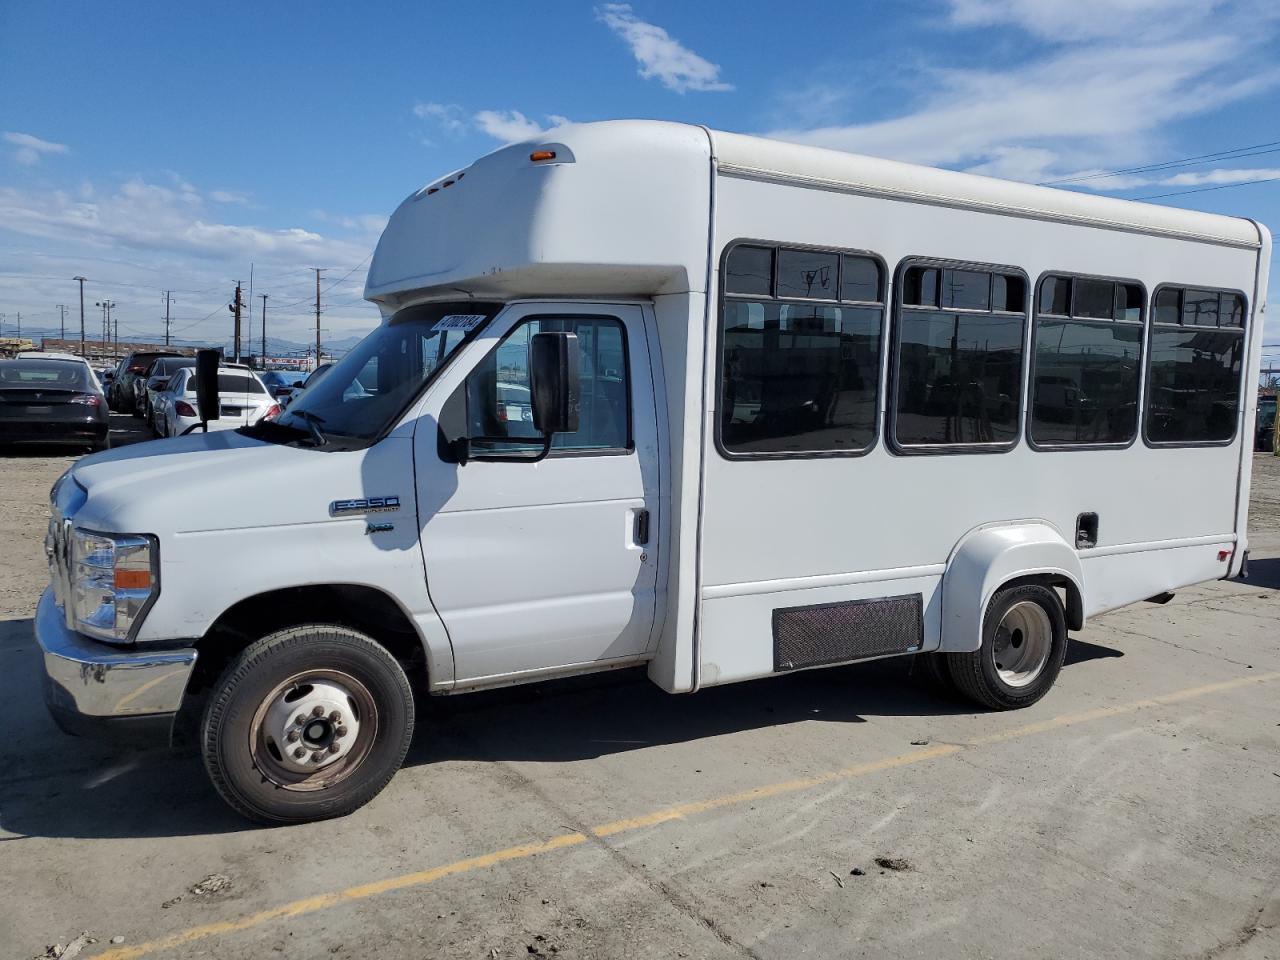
(207, 400)
(554, 382)
(297, 384)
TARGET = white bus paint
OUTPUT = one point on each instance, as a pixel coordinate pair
(517, 571)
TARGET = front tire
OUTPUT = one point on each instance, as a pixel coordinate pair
(1024, 641)
(306, 724)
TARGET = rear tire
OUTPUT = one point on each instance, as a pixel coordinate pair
(352, 739)
(1024, 641)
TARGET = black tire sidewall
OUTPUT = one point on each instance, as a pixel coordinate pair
(251, 676)
(1048, 600)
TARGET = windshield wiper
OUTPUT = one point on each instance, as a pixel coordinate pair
(314, 422)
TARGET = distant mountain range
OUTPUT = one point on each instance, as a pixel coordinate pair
(276, 346)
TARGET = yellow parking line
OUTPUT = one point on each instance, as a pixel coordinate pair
(420, 878)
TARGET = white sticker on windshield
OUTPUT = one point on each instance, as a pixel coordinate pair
(459, 321)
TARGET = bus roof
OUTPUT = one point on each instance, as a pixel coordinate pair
(624, 205)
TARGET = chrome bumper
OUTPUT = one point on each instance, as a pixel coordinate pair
(93, 688)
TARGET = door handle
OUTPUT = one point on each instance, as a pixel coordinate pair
(642, 527)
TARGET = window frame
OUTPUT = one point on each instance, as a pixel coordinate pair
(553, 453)
(1144, 323)
(895, 358)
(1244, 331)
(887, 287)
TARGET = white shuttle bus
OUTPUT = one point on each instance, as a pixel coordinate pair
(647, 393)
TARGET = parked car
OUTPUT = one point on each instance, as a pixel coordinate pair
(51, 401)
(1264, 436)
(123, 395)
(283, 384)
(157, 379)
(243, 401)
(57, 355)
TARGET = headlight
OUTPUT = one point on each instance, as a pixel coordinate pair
(113, 582)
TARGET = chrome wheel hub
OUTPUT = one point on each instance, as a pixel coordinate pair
(1023, 640)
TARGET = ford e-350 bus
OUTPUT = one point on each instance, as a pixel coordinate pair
(646, 393)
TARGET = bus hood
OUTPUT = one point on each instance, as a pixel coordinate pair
(227, 480)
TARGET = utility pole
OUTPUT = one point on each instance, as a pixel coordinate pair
(317, 270)
(235, 308)
(264, 329)
(115, 336)
(81, 281)
(62, 322)
(167, 300)
(106, 323)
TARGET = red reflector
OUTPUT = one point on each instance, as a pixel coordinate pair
(1223, 554)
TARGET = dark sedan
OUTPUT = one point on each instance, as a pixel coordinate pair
(51, 401)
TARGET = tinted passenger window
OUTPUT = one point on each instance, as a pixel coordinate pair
(1195, 368)
(1085, 366)
(807, 274)
(801, 377)
(749, 270)
(959, 374)
(499, 396)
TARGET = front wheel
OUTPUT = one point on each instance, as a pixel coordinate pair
(1024, 641)
(306, 724)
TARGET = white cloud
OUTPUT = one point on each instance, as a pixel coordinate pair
(1100, 97)
(506, 126)
(229, 196)
(449, 116)
(1056, 21)
(1221, 176)
(660, 55)
(509, 126)
(30, 149)
(137, 237)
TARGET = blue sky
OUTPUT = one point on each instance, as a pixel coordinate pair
(153, 146)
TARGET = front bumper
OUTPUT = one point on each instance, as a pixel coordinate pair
(117, 693)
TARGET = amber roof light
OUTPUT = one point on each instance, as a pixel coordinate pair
(539, 155)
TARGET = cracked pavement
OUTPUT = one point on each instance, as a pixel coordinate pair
(1134, 813)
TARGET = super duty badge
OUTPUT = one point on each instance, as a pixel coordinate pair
(344, 508)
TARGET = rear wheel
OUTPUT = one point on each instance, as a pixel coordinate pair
(1024, 640)
(306, 724)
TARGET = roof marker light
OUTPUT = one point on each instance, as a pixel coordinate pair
(432, 190)
(539, 155)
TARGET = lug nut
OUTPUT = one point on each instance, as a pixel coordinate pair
(317, 711)
(292, 736)
(333, 748)
(340, 732)
(317, 756)
(334, 716)
(300, 719)
(299, 754)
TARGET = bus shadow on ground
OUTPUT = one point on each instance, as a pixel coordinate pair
(1263, 572)
(59, 786)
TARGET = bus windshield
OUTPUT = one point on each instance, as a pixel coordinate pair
(365, 392)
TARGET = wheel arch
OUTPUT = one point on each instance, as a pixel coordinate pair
(995, 556)
(357, 606)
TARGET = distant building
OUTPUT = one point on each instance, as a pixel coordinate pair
(100, 352)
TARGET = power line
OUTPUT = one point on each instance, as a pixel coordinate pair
(1233, 154)
(1221, 186)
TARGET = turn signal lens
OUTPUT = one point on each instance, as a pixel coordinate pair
(539, 155)
(133, 579)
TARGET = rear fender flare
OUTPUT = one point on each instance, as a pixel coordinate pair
(986, 559)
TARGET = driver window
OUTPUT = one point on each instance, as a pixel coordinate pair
(499, 395)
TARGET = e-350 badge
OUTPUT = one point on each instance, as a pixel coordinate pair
(345, 508)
